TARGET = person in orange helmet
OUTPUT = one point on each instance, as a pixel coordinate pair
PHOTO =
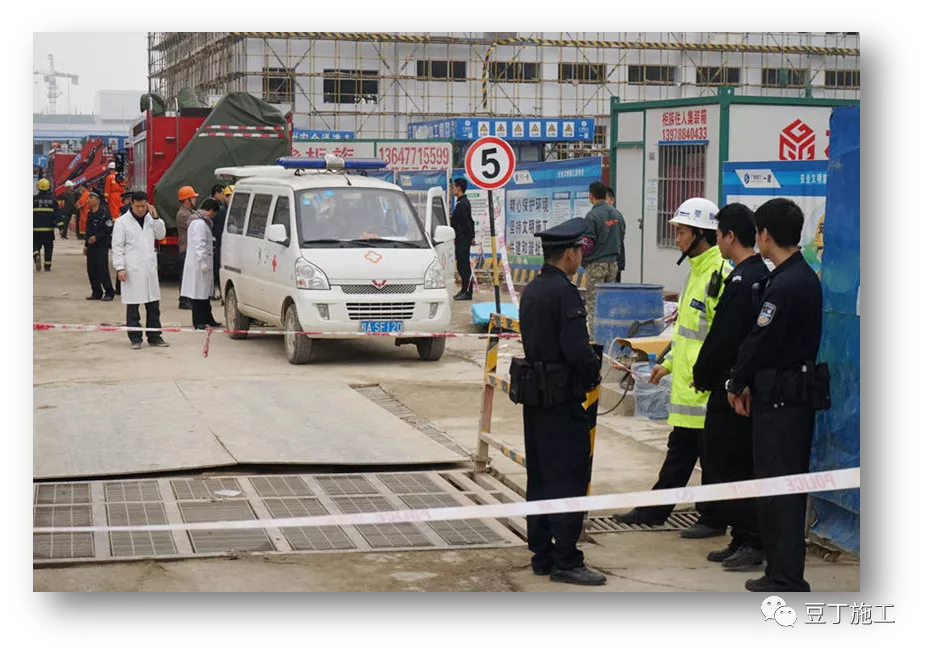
(187, 196)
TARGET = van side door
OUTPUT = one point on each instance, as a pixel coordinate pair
(434, 216)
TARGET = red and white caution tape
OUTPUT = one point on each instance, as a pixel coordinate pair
(768, 487)
(253, 135)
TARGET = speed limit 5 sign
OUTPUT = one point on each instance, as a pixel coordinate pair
(490, 162)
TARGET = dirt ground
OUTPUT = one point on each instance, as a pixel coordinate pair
(628, 453)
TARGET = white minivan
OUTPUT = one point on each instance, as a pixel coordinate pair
(324, 249)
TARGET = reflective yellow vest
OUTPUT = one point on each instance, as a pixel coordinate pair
(696, 308)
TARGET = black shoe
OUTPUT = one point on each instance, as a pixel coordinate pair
(700, 530)
(185, 304)
(746, 559)
(762, 585)
(200, 327)
(136, 346)
(462, 295)
(158, 342)
(47, 268)
(542, 571)
(635, 517)
(580, 576)
(718, 556)
(94, 297)
(108, 298)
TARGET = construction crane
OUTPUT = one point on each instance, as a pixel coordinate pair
(51, 78)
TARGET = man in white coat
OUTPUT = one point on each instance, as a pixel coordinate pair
(198, 282)
(135, 261)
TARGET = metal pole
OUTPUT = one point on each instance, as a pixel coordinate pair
(495, 280)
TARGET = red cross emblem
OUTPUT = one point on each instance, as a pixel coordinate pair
(373, 257)
(379, 284)
(273, 263)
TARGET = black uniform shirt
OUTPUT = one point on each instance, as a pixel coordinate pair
(789, 325)
(733, 319)
(99, 224)
(461, 220)
(553, 324)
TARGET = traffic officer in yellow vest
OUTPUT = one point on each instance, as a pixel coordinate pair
(45, 218)
(696, 238)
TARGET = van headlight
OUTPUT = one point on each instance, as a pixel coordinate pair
(310, 276)
(433, 278)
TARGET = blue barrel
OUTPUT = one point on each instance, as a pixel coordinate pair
(620, 305)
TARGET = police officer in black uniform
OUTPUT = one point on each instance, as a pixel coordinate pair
(558, 369)
(777, 381)
(45, 218)
(99, 240)
(727, 447)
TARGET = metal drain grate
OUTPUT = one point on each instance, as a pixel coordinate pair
(371, 504)
(308, 538)
(295, 507)
(62, 546)
(63, 494)
(142, 543)
(132, 491)
(605, 525)
(437, 501)
(410, 483)
(136, 514)
(454, 532)
(225, 540)
(346, 485)
(465, 532)
(203, 489)
(75, 515)
(403, 534)
(280, 487)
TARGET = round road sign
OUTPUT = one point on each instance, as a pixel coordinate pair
(490, 162)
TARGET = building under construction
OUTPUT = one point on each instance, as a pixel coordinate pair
(375, 84)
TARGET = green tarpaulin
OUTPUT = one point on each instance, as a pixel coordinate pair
(207, 151)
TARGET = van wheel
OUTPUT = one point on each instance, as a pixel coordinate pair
(234, 318)
(431, 349)
(298, 346)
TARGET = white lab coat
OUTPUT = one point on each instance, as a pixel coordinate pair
(198, 282)
(133, 251)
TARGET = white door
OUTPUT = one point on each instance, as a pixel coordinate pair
(433, 218)
(279, 274)
(255, 254)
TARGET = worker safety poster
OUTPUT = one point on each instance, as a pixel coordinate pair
(753, 183)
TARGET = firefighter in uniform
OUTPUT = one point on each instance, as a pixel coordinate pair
(727, 443)
(551, 381)
(777, 381)
(45, 219)
(687, 410)
(99, 239)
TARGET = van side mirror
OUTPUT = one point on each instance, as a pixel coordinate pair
(278, 234)
(444, 233)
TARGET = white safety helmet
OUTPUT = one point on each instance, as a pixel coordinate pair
(696, 212)
(68, 184)
(112, 165)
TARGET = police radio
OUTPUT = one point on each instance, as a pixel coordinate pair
(716, 280)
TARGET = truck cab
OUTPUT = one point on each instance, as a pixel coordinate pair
(313, 245)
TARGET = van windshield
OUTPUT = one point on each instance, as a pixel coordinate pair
(357, 217)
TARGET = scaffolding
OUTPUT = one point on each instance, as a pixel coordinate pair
(374, 84)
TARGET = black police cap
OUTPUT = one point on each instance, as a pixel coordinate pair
(97, 193)
(568, 234)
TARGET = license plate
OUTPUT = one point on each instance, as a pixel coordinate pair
(380, 326)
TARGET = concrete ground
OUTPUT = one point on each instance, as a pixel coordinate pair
(628, 453)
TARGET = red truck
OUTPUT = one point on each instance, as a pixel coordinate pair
(153, 145)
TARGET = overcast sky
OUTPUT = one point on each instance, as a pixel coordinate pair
(111, 61)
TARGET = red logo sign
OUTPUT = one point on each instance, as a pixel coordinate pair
(797, 142)
(273, 263)
(379, 284)
(373, 257)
